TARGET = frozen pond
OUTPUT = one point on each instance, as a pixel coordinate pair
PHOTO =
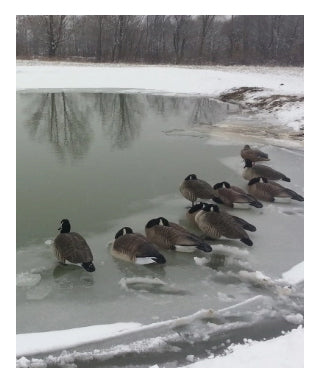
(108, 160)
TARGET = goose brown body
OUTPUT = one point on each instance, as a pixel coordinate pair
(253, 155)
(193, 189)
(71, 246)
(252, 171)
(216, 224)
(168, 235)
(132, 246)
(269, 190)
(231, 195)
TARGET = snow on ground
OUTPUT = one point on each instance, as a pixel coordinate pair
(34, 343)
(283, 351)
(295, 275)
(212, 81)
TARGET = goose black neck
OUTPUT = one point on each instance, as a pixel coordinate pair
(65, 226)
(248, 163)
(191, 177)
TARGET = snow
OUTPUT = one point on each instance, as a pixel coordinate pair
(33, 343)
(283, 351)
(162, 79)
(295, 274)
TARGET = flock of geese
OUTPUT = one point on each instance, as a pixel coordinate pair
(212, 221)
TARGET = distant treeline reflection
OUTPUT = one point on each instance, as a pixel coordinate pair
(68, 120)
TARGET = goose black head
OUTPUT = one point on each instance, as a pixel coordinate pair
(196, 207)
(211, 208)
(191, 177)
(123, 231)
(246, 147)
(163, 221)
(220, 185)
(254, 181)
(264, 179)
(151, 223)
(65, 226)
(248, 163)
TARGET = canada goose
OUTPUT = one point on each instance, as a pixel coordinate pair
(73, 247)
(253, 155)
(271, 191)
(169, 235)
(193, 188)
(233, 196)
(253, 171)
(191, 213)
(134, 247)
(216, 224)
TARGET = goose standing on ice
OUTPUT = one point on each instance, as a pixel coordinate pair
(71, 246)
(135, 248)
(172, 236)
(271, 191)
(193, 189)
(252, 171)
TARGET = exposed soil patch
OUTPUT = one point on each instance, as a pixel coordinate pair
(270, 102)
(238, 94)
(273, 102)
(249, 99)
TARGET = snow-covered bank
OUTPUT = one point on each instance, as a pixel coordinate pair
(32, 344)
(283, 351)
(279, 83)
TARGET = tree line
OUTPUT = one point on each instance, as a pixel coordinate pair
(163, 39)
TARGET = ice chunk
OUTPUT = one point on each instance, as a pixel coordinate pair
(295, 275)
(126, 281)
(294, 318)
(39, 292)
(23, 362)
(26, 279)
(201, 260)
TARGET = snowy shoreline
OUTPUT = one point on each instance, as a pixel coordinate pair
(275, 94)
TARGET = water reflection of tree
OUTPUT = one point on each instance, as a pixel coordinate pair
(121, 117)
(206, 111)
(157, 103)
(58, 119)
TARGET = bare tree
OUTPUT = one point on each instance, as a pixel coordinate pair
(206, 24)
(179, 37)
(176, 39)
(55, 32)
